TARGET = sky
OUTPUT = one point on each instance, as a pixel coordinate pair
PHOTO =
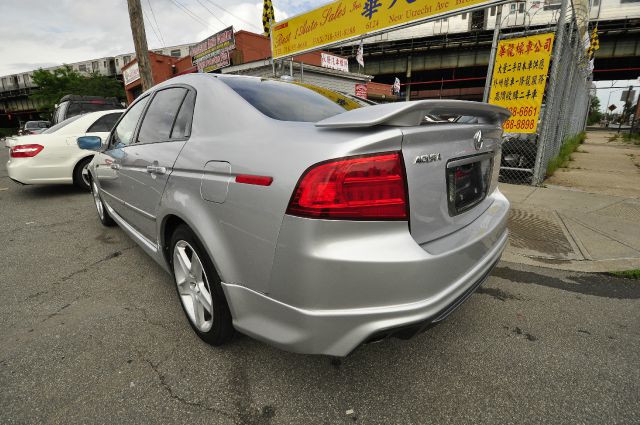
(610, 92)
(43, 33)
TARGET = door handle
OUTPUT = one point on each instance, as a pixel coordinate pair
(152, 169)
(115, 166)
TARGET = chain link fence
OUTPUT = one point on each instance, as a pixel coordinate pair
(525, 157)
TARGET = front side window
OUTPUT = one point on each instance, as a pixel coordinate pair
(158, 121)
(289, 102)
(105, 123)
(123, 133)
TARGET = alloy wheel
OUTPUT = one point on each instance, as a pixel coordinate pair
(85, 174)
(193, 286)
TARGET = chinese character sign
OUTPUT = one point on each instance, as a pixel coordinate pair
(344, 20)
(334, 62)
(519, 79)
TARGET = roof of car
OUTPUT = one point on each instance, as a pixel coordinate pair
(78, 98)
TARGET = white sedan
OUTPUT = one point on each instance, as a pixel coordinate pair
(53, 157)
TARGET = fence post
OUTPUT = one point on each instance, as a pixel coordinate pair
(492, 56)
(538, 172)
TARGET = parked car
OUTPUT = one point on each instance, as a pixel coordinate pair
(309, 223)
(53, 156)
(519, 151)
(72, 105)
(33, 127)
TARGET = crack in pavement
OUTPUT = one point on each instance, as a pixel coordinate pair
(163, 382)
(60, 310)
(147, 319)
(95, 263)
(77, 272)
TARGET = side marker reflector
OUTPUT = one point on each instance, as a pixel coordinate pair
(255, 180)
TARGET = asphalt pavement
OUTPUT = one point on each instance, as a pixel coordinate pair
(91, 331)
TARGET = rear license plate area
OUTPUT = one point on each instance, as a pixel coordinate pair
(468, 182)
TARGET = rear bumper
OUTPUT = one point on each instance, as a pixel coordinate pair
(335, 287)
(29, 171)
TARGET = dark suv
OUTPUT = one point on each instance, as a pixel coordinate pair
(72, 105)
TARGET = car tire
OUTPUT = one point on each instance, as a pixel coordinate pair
(81, 180)
(199, 288)
(103, 214)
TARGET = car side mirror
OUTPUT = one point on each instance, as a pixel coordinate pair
(91, 143)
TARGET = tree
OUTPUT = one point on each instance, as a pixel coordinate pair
(595, 116)
(52, 85)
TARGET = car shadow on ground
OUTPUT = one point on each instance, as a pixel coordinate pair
(47, 191)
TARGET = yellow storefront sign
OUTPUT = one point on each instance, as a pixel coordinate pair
(348, 19)
(519, 79)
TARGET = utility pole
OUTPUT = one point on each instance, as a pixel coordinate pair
(140, 43)
(627, 104)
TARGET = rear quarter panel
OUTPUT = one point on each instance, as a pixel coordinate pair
(241, 232)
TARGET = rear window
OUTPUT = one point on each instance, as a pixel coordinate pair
(76, 108)
(290, 102)
(105, 123)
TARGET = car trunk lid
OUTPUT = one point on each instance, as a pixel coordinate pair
(448, 176)
(450, 166)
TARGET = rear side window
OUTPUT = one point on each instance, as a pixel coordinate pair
(182, 127)
(105, 123)
(161, 114)
(285, 101)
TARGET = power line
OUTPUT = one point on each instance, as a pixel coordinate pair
(146, 18)
(234, 15)
(154, 20)
(212, 14)
(191, 14)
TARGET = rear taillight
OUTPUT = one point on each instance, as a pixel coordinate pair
(25, 151)
(368, 187)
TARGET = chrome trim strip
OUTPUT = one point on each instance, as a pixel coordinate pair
(141, 212)
(470, 159)
(129, 229)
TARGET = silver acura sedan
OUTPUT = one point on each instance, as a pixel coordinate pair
(294, 215)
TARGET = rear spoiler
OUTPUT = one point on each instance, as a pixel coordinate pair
(408, 114)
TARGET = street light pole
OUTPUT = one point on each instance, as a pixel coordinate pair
(140, 43)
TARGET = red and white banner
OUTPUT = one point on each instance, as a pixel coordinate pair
(334, 62)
